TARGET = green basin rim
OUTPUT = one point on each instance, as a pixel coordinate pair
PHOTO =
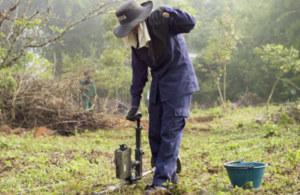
(244, 165)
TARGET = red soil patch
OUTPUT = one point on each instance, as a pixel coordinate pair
(214, 170)
(19, 131)
(42, 132)
(202, 119)
(6, 131)
(203, 129)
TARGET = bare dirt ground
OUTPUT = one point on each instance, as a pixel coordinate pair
(116, 123)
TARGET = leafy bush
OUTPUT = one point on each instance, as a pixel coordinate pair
(285, 119)
(293, 156)
(231, 146)
(195, 109)
(271, 129)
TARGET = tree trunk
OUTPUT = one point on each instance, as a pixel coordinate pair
(271, 94)
(224, 85)
(116, 85)
(54, 64)
(106, 100)
(220, 91)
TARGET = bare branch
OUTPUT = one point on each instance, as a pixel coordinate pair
(20, 54)
(14, 29)
(92, 14)
(10, 50)
(287, 14)
(26, 9)
(5, 14)
(289, 82)
(17, 41)
(48, 7)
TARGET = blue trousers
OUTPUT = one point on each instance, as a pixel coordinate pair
(166, 124)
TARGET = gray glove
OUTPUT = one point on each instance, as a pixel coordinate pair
(133, 110)
(156, 17)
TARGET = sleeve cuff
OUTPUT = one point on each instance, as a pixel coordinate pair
(135, 101)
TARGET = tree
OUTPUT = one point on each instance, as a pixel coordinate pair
(219, 50)
(23, 27)
(281, 60)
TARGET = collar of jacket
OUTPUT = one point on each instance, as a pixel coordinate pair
(140, 40)
(157, 45)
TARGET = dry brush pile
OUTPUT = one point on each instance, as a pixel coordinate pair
(28, 102)
(249, 99)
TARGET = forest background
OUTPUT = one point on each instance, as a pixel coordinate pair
(237, 47)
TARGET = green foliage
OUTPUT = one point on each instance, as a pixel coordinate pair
(143, 107)
(116, 61)
(7, 80)
(270, 129)
(69, 165)
(260, 23)
(109, 71)
(195, 109)
(56, 30)
(223, 41)
(38, 66)
(281, 59)
(81, 62)
(28, 24)
(248, 185)
(167, 183)
(2, 52)
(115, 57)
(285, 119)
(219, 50)
(3, 144)
(185, 5)
(232, 146)
(293, 156)
(240, 125)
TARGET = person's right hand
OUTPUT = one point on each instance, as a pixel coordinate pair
(133, 110)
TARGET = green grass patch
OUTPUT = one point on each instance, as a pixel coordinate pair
(83, 163)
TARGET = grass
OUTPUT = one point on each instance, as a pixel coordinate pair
(83, 163)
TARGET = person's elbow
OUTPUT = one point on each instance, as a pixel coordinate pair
(192, 24)
(187, 26)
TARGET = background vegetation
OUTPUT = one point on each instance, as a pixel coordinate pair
(224, 43)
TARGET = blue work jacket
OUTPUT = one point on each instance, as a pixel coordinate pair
(173, 74)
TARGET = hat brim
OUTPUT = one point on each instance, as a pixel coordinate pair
(121, 31)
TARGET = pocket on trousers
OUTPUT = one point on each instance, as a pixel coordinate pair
(182, 112)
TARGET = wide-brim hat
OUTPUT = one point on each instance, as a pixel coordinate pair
(130, 14)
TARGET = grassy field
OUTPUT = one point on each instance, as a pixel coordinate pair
(83, 163)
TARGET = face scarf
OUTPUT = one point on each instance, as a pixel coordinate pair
(142, 40)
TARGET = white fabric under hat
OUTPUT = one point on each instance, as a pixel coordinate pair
(143, 37)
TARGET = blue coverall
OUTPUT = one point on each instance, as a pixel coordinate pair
(122, 108)
(173, 82)
(89, 92)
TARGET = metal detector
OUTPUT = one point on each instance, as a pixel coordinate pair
(125, 167)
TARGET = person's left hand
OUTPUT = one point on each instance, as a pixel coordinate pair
(156, 17)
(133, 110)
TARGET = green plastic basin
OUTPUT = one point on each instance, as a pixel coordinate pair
(241, 173)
